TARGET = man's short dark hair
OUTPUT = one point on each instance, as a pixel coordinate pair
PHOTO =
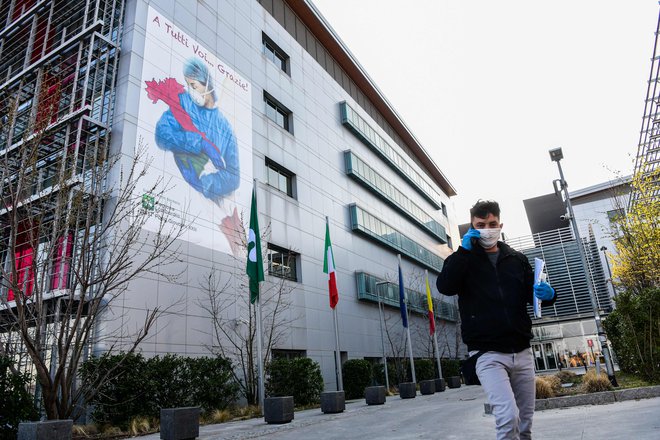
(482, 208)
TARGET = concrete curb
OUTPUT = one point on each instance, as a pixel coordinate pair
(598, 398)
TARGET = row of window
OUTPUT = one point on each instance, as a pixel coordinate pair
(282, 116)
(363, 173)
(284, 180)
(377, 229)
(370, 137)
(275, 110)
(374, 289)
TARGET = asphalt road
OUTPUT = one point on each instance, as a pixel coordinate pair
(453, 414)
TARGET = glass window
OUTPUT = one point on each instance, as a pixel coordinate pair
(616, 214)
(376, 142)
(277, 113)
(279, 177)
(274, 53)
(282, 262)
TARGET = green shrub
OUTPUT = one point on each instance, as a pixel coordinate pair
(378, 374)
(357, 375)
(212, 383)
(16, 404)
(633, 328)
(425, 369)
(139, 387)
(298, 377)
(170, 382)
(450, 367)
(398, 371)
(126, 393)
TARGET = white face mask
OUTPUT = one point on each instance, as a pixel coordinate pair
(489, 237)
(197, 97)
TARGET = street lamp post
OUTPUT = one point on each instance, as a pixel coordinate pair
(609, 271)
(379, 284)
(556, 155)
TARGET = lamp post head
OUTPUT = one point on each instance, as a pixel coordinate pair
(603, 248)
(556, 155)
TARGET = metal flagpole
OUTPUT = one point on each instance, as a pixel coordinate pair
(437, 354)
(410, 349)
(382, 340)
(340, 383)
(435, 338)
(260, 360)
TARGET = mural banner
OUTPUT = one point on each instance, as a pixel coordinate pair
(195, 117)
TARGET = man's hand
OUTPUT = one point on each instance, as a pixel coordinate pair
(543, 291)
(467, 238)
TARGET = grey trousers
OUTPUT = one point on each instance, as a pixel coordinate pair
(508, 380)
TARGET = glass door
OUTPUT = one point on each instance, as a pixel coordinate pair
(550, 356)
(539, 361)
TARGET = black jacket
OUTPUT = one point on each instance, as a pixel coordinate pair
(492, 303)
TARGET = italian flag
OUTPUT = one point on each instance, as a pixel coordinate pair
(329, 267)
(429, 301)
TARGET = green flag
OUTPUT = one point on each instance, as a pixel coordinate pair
(255, 265)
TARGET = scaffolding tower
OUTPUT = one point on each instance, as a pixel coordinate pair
(647, 160)
(58, 69)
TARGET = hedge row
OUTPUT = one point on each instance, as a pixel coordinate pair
(359, 373)
(140, 387)
(298, 377)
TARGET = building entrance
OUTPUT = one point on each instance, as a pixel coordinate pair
(545, 356)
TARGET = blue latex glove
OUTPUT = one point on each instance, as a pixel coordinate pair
(543, 291)
(216, 158)
(467, 238)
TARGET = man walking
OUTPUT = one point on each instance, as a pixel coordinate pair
(494, 284)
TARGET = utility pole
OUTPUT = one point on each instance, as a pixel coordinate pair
(556, 155)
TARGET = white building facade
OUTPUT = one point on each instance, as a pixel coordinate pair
(320, 140)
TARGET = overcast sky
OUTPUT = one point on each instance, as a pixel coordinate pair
(488, 87)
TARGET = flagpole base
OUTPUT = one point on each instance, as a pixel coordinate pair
(407, 390)
(333, 402)
(278, 410)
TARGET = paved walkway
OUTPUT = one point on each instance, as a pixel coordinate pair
(453, 414)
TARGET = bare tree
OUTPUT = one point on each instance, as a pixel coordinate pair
(234, 318)
(71, 241)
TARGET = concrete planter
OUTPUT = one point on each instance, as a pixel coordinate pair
(49, 430)
(407, 390)
(374, 395)
(333, 402)
(440, 385)
(278, 409)
(179, 423)
(427, 387)
(454, 382)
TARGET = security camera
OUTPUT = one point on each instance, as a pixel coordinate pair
(564, 217)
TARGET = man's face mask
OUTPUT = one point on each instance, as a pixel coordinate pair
(489, 237)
